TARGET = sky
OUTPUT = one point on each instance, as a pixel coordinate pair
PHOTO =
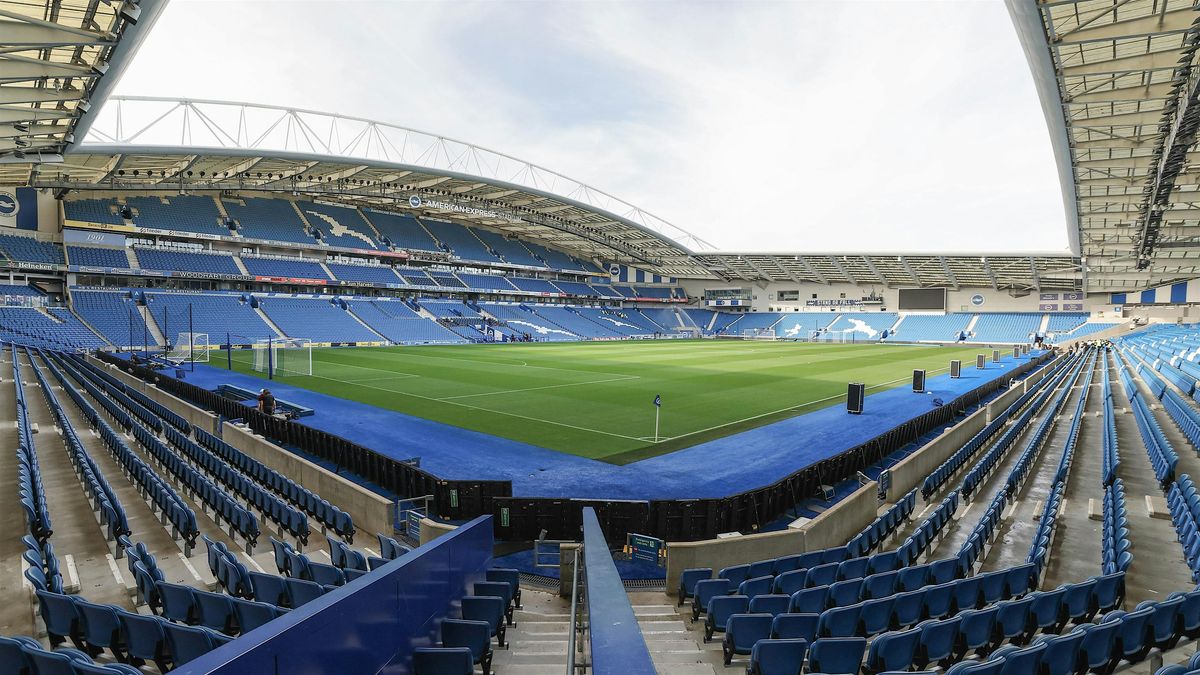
(756, 126)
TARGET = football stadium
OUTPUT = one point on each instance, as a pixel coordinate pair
(305, 391)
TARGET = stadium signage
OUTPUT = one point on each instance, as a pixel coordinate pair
(292, 280)
(459, 208)
(842, 302)
(21, 264)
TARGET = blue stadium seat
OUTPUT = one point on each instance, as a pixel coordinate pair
(216, 611)
(787, 626)
(770, 604)
(848, 592)
(269, 588)
(188, 643)
(938, 642)
(742, 632)
(251, 614)
(61, 617)
(688, 580)
(840, 621)
(756, 586)
(706, 590)
(876, 616)
(443, 661)
(489, 609)
(789, 582)
(1020, 661)
(1062, 653)
(178, 602)
(893, 651)
(809, 600)
(509, 576)
(977, 628)
(499, 589)
(101, 627)
(474, 635)
(720, 608)
(777, 657)
(836, 656)
(736, 574)
(12, 658)
(1097, 647)
(302, 591)
(145, 638)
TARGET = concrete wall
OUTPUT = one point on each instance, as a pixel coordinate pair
(371, 512)
(832, 528)
(911, 471)
(431, 529)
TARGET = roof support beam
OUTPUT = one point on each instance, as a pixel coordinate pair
(842, 269)
(1037, 280)
(949, 274)
(911, 272)
(812, 270)
(875, 270)
(987, 269)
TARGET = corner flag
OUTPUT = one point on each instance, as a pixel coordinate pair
(658, 400)
(657, 410)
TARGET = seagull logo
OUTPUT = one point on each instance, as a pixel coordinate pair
(8, 204)
(860, 326)
(618, 323)
(540, 330)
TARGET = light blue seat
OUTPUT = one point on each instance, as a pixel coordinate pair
(742, 632)
(777, 657)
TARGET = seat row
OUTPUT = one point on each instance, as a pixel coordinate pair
(1114, 547)
(171, 507)
(29, 474)
(320, 509)
(978, 473)
(1162, 456)
(293, 564)
(22, 655)
(1110, 458)
(131, 637)
(289, 519)
(1183, 415)
(956, 461)
(882, 527)
(163, 412)
(1193, 665)
(1185, 514)
(104, 501)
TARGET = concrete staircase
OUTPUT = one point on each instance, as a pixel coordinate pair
(267, 320)
(676, 644)
(155, 333)
(237, 260)
(537, 641)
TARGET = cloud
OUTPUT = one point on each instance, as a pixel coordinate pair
(777, 126)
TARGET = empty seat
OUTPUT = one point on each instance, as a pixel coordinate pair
(706, 590)
(720, 609)
(840, 622)
(1061, 656)
(789, 582)
(742, 632)
(769, 604)
(893, 651)
(488, 609)
(809, 600)
(795, 626)
(736, 574)
(101, 627)
(145, 638)
(688, 580)
(938, 641)
(756, 586)
(836, 656)
(187, 643)
(251, 614)
(443, 661)
(777, 657)
(474, 635)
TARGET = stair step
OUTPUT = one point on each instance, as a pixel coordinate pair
(536, 669)
(664, 646)
(527, 615)
(505, 657)
(542, 626)
(540, 647)
(687, 669)
(663, 627)
(675, 657)
(518, 638)
(667, 637)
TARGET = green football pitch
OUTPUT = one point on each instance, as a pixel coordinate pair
(595, 399)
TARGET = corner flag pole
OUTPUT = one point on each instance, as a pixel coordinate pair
(657, 410)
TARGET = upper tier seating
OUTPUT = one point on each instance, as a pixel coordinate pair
(290, 267)
(665, 319)
(403, 231)
(557, 259)
(461, 240)
(350, 231)
(379, 274)
(575, 320)
(1063, 322)
(184, 213)
(186, 261)
(315, 319)
(93, 211)
(269, 219)
(521, 319)
(92, 256)
(414, 277)
(114, 314)
(448, 308)
(577, 288)
(28, 249)
(510, 250)
(217, 314)
(932, 328)
(1011, 327)
(397, 322)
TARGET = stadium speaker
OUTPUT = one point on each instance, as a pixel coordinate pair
(918, 381)
(856, 394)
(995, 356)
(956, 369)
(980, 361)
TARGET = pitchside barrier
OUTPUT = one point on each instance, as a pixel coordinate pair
(528, 518)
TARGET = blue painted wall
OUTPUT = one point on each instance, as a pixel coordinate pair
(617, 645)
(369, 626)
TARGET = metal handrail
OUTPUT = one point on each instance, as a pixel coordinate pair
(578, 625)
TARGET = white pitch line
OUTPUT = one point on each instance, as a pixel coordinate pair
(622, 378)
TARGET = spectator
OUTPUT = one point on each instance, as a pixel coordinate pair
(266, 402)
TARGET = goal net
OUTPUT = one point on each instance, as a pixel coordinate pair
(284, 356)
(189, 348)
(758, 333)
(836, 336)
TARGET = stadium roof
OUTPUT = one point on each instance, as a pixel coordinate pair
(1119, 88)
(58, 60)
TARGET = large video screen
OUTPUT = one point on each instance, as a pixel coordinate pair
(918, 299)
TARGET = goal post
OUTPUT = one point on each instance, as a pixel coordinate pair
(189, 348)
(758, 333)
(280, 357)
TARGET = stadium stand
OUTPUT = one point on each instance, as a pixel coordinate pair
(401, 230)
(348, 229)
(863, 325)
(269, 219)
(488, 282)
(19, 291)
(397, 322)
(1011, 327)
(102, 211)
(56, 328)
(217, 314)
(931, 327)
(293, 268)
(97, 257)
(800, 326)
(531, 285)
(379, 274)
(183, 213)
(317, 319)
(460, 240)
(576, 288)
(113, 313)
(28, 249)
(186, 261)
(510, 250)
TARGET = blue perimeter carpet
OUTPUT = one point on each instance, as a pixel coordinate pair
(718, 468)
